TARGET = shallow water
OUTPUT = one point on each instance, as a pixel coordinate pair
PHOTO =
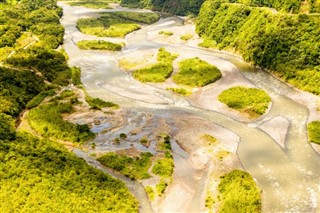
(289, 177)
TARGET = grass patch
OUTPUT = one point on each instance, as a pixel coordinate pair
(133, 167)
(25, 39)
(98, 45)
(209, 139)
(47, 120)
(166, 33)
(239, 193)
(108, 25)
(162, 186)
(76, 75)
(159, 71)
(4, 52)
(252, 101)
(314, 132)
(150, 193)
(39, 98)
(186, 36)
(164, 167)
(195, 72)
(180, 91)
(97, 103)
(142, 17)
(91, 4)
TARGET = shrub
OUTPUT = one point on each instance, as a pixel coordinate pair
(180, 91)
(97, 103)
(166, 33)
(186, 37)
(98, 45)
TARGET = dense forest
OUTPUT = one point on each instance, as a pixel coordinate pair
(286, 44)
(181, 7)
(39, 174)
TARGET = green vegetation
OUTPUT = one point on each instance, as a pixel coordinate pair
(159, 71)
(252, 101)
(282, 43)
(141, 17)
(150, 192)
(98, 45)
(164, 166)
(38, 175)
(91, 4)
(314, 132)
(209, 200)
(166, 33)
(108, 25)
(195, 72)
(161, 186)
(39, 98)
(239, 193)
(76, 75)
(97, 103)
(180, 91)
(133, 167)
(186, 36)
(47, 120)
(209, 139)
(182, 7)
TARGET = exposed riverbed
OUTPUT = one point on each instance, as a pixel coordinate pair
(289, 175)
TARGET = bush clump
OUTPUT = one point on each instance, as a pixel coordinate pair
(239, 193)
(314, 132)
(252, 101)
(133, 167)
(195, 72)
(98, 45)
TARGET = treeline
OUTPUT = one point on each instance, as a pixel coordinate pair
(288, 45)
(181, 7)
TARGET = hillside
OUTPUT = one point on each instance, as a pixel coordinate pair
(286, 44)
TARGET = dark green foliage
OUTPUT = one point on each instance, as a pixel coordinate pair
(159, 71)
(98, 45)
(163, 167)
(42, 176)
(141, 17)
(239, 193)
(133, 167)
(39, 98)
(7, 131)
(47, 121)
(253, 101)
(284, 44)
(97, 103)
(314, 132)
(76, 75)
(52, 64)
(181, 7)
(196, 73)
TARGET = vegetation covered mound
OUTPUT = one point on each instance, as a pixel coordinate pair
(252, 101)
(239, 193)
(314, 132)
(98, 45)
(282, 43)
(196, 73)
(133, 167)
(115, 24)
(103, 4)
(159, 71)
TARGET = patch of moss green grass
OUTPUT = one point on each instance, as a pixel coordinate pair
(158, 72)
(108, 25)
(180, 91)
(150, 193)
(252, 101)
(91, 4)
(314, 132)
(239, 193)
(35, 101)
(186, 37)
(195, 72)
(141, 17)
(135, 168)
(166, 33)
(98, 45)
(47, 120)
(97, 103)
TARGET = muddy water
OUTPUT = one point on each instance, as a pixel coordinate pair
(289, 177)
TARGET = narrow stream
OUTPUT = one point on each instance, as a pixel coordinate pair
(289, 177)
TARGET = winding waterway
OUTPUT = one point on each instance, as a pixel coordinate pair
(289, 176)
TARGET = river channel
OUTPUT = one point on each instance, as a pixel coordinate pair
(289, 176)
